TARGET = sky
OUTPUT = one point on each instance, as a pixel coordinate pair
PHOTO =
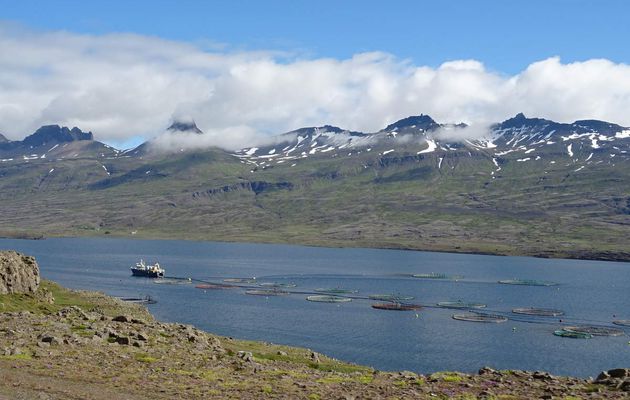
(249, 69)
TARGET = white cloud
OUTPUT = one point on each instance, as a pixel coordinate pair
(123, 85)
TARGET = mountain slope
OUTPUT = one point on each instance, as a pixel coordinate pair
(525, 186)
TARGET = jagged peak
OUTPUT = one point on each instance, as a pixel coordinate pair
(520, 120)
(185, 126)
(421, 121)
(56, 134)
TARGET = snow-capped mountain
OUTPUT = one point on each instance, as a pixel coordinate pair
(518, 139)
(525, 186)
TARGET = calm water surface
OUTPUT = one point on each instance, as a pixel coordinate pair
(589, 292)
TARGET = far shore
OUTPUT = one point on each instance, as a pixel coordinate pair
(463, 248)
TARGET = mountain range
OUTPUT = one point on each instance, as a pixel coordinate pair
(526, 186)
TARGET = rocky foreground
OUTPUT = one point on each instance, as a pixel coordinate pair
(62, 344)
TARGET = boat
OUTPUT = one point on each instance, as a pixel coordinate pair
(147, 271)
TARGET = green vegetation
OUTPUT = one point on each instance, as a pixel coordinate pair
(145, 358)
(169, 365)
(17, 357)
(400, 201)
(36, 303)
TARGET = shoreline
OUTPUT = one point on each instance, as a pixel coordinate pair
(582, 255)
(91, 345)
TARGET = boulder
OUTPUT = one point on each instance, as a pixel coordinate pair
(18, 273)
(122, 318)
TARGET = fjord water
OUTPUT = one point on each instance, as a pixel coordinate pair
(590, 292)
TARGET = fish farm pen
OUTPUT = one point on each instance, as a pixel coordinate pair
(460, 305)
(434, 275)
(527, 282)
(539, 312)
(475, 317)
(266, 292)
(397, 306)
(573, 327)
(572, 335)
(328, 299)
(595, 330)
(214, 286)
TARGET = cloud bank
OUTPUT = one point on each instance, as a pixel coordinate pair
(124, 85)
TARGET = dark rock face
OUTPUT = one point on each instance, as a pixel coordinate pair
(257, 187)
(18, 273)
(3, 139)
(178, 126)
(56, 134)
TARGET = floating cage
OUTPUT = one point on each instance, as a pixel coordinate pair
(328, 299)
(172, 281)
(214, 286)
(572, 335)
(277, 285)
(263, 292)
(460, 305)
(622, 322)
(336, 290)
(435, 275)
(240, 280)
(527, 282)
(139, 300)
(390, 297)
(595, 330)
(539, 312)
(475, 317)
(396, 306)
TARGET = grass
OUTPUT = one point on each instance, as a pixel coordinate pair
(64, 298)
(145, 358)
(535, 209)
(263, 352)
(448, 376)
(23, 356)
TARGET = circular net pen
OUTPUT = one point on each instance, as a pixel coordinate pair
(460, 305)
(572, 335)
(595, 330)
(328, 299)
(277, 285)
(622, 322)
(397, 306)
(260, 292)
(538, 312)
(172, 281)
(214, 286)
(240, 280)
(527, 282)
(435, 275)
(390, 297)
(336, 290)
(474, 317)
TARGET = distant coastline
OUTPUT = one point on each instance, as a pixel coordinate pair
(569, 254)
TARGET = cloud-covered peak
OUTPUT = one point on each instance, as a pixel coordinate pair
(185, 126)
(122, 85)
